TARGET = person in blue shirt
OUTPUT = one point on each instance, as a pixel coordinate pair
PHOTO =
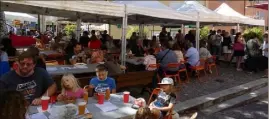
(192, 56)
(165, 57)
(102, 81)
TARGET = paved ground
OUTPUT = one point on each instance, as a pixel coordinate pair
(255, 110)
(228, 77)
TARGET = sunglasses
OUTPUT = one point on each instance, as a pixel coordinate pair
(25, 64)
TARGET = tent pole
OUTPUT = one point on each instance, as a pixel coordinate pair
(197, 31)
(238, 28)
(183, 29)
(78, 28)
(152, 34)
(123, 38)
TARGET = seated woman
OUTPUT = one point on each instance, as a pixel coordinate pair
(205, 54)
(166, 99)
(12, 105)
(102, 81)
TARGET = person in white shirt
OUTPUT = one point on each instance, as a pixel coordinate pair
(150, 59)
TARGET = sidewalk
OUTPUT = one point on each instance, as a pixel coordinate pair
(228, 77)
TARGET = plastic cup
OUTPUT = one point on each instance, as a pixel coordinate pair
(85, 97)
(126, 95)
(45, 102)
(81, 108)
(101, 98)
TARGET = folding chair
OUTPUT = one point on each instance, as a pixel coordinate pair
(212, 64)
(200, 65)
(176, 75)
(184, 70)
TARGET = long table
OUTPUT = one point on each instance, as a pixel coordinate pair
(63, 69)
(124, 111)
(135, 60)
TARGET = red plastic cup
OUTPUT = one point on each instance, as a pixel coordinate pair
(45, 102)
(101, 98)
(126, 95)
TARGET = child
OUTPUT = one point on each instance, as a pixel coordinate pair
(166, 99)
(102, 81)
(144, 113)
(150, 59)
(70, 88)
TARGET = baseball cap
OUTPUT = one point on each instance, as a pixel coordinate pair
(168, 81)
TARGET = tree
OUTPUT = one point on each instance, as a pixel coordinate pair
(132, 29)
(204, 33)
(69, 29)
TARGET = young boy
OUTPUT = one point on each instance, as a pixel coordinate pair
(102, 81)
(166, 99)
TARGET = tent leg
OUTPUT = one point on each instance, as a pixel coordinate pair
(123, 38)
(78, 29)
(238, 28)
(197, 32)
(183, 29)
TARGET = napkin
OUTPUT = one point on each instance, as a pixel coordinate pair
(107, 107)
(39, 108)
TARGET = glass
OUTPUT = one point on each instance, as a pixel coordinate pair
(25, 64)
(81, 108)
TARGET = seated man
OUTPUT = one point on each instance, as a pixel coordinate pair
(165, 57)
(192, 56)
(32, 82)
(76, 56)
(102, 81)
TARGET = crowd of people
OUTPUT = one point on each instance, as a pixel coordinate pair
(31, 79)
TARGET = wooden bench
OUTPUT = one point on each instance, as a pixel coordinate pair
(132, 79)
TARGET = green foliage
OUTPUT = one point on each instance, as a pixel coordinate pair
(132, 29)
(69, 29)
(250, 32)
(204, 32)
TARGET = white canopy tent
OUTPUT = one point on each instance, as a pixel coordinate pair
(205, 15)
(226, 10)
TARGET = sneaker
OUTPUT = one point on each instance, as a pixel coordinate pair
(238, 69)
(210, 71)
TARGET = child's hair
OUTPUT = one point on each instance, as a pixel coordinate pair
(12, 105)
(151, 51)
(74, 81)
(143, 113)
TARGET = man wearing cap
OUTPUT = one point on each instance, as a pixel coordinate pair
(166, 98)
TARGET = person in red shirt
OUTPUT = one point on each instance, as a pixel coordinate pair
(94, 43)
